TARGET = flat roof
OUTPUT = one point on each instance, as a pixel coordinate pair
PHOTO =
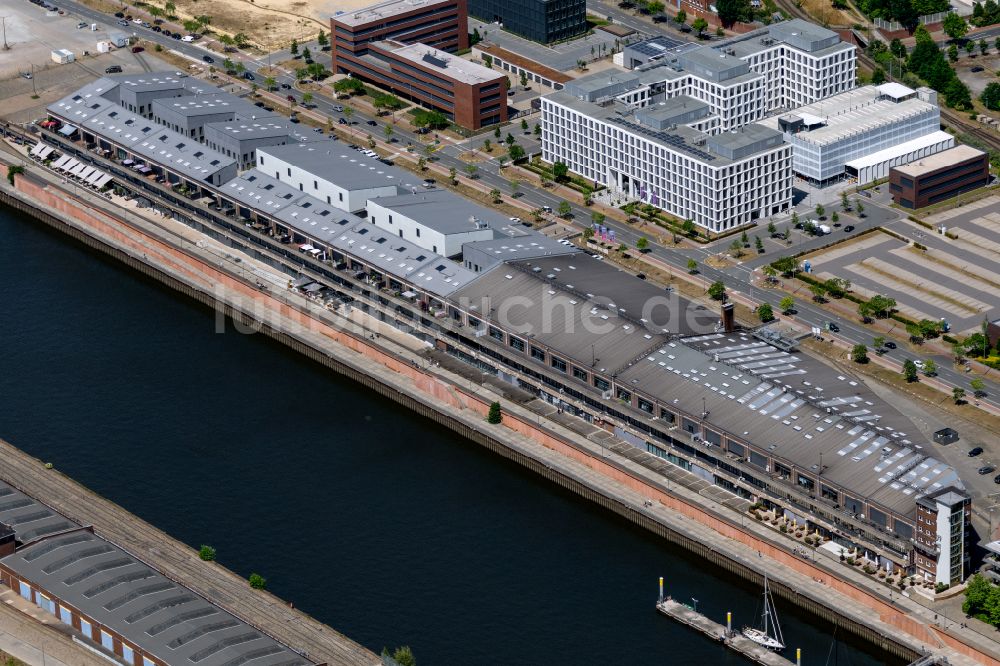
(797, 408)
(29, 518)
(945, 158)
(384, 10)
(211, 104)
(152, 612)
(256, 189)
(900, 150)
(335, 162)
(852, 112)
(146, 138)
(442, 211)
(511, 243)
(445, 63)
(524, 62)
(253, 129)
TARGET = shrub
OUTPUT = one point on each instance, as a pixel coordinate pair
(207, 553)
(257, 581)
(495, 416)
(941, 587)
(869, 569)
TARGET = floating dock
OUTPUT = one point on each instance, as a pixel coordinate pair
(733, 640)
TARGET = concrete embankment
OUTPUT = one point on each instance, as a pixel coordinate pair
(548, 449)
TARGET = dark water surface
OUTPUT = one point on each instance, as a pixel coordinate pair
(380, 523)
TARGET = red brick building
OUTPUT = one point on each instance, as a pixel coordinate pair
(442, 24)
(939, 177)
(469, 94)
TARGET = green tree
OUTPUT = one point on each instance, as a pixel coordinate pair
(422, 163)
(537, 131)
(588, 233)
(692, 266)
(878, 342)
(494, 416)
(471, 170)
(207, 553)
(515, 152)
(991, 96)
(878, 76)
(294, 48)
(769, 274)
(681, 17)
(758, 244)
(307, 98)
(515, 185)
(564, 209)
(717, 290)
(953, 53)
(835, 217)
(765, 313)
(954, 26)
(642, 244)
(984, 48)
(524, 83)
(732, 11)
(170, 7)
(257, 581)
(977, 591)
(306, 54)
(404, 655)
(736, 248)
(785, 265)
(451, 175)
(12, 171)
(322, 39)
(560, 171)
(970, 47)
(845, 203)
(496, 133)
(771, 229)
(270, 82)
(860, 207)
(958, 395)
(910, 371)
(687, 226)
(898, 49)
(787, 304)
(820, 211)
(699, 26)
(818, 292)
(930, 368)
(388, 131)
(488, 146)
(859, 353)
(978, 387)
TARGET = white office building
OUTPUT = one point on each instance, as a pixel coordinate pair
(719, 181)
(859, 135)
(435, 220)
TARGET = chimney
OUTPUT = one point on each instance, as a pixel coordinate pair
(728, 317)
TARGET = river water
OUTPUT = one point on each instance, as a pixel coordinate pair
(379, 523)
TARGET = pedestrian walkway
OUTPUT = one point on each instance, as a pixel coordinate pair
(27, 634)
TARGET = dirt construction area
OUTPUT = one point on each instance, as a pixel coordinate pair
(957, 277)
(33, 33)
(270, 24)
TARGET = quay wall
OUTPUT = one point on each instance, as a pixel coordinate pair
(159, 260)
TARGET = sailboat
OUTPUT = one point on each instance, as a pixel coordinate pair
(769, 634)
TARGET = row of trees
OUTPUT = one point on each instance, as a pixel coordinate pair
(906, 12)
(986, 13)
(929, 63)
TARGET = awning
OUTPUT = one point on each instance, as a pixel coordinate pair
(315, 286)
(102, 181)
(301, 281)
(78, 170)
(127, 162)
(306, 247)
(70, 165)
(67, 130)
(86, 172)
(900, 150)
(143, 169)
(41, 150)
(993, 547)
(58, 164)
(94, 177)
(409, 294)
(315, 250)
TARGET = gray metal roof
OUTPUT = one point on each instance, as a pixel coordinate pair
(442, 211)
(798, 408)
(336, 163)
(211, 104)
(152, 612)
(256, 189)
(512, 243)
(29, 518)
(144, 137)
(584, 309)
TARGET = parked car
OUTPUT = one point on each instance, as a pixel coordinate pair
(338, 108)
(290, 98)
(27, 75)
(114, 69)
(372, 123)
(423, 130)
(975, 452)
(996, 479)
(849, 228)
(285, 86)
(123, 22)
(834, 328)
(137, 49)
(259, 104)
(318, 130)
(207, 58)
(977, 68)
(119, 14)
(987, 469)
(341, 121)
(515, 220)
(156, 28)
(187, 38)
(889, 344)
(176, 35)
(81, 24)
(157, 21)
(249, 76)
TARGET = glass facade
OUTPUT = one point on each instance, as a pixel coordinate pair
(536, 20)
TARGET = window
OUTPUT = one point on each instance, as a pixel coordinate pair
(107, 641)
(645, 405)
(601, 384)
(805, 482)
(146, 661)
(46, 603)
(128, 654)
(537, 354)
(289, 171)
(66, 615)
(495, 332)
(828, 492)
(713, 437)
(517, 344)
(390, 219)
(418, 232)
(86, 629)
(579, 374)
(559, 364)
(25, 590)
(624, 395)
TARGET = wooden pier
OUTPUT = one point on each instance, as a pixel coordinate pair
(734, 641)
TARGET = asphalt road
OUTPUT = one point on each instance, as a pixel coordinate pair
(737, 279)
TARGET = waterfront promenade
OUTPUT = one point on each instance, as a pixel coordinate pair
(180, 562)
(643, 495)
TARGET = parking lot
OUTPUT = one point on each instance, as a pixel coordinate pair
(956, 279)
